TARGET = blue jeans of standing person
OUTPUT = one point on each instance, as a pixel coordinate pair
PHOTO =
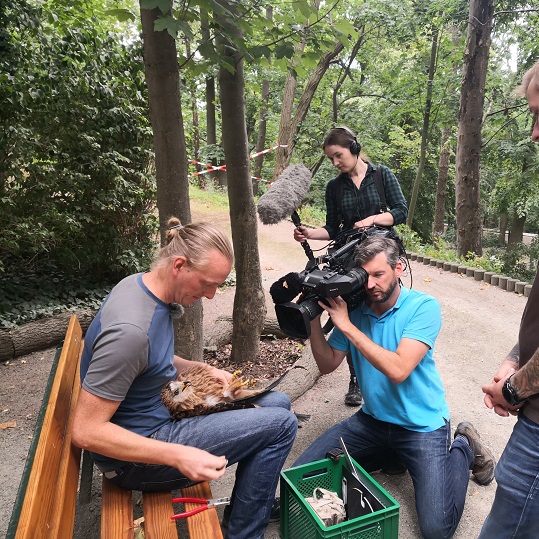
(515, 511)
(440, 471)
(258, 439)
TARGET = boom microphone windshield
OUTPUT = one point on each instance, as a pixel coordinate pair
(285, 195)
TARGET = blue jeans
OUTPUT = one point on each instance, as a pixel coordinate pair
(515, 511)
(439, 471)
(258, 439)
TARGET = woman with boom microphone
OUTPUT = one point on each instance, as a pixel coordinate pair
(361, 196)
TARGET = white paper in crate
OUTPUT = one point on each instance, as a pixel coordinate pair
(328, 506)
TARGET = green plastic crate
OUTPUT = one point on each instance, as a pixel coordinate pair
(298, 520)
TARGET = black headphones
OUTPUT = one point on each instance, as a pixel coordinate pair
(355, 146)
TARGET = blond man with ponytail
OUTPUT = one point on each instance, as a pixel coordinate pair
(129, 355)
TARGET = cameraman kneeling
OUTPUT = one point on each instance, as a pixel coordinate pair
(391, 337)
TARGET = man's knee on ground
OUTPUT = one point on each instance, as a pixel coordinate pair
(436, 529)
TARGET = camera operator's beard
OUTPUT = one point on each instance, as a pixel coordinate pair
(385, 294)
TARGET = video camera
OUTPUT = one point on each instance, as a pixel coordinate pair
(331, 275)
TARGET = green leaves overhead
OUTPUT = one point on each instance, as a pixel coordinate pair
(255, 36)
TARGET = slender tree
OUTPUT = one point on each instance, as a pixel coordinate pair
(249, 309)
(261, 138)
(425, 128)
(211, 120)
(441, 184)
(163, 80)
(472, 99)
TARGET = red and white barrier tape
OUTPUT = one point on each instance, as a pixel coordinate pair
(211, 168)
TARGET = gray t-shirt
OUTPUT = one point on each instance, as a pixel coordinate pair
(129, 355)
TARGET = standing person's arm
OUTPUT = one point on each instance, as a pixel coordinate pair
(378, 219)
(525, 382)
(303, 233)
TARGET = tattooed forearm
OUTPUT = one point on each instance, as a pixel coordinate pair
(514, 354)
(526, 380)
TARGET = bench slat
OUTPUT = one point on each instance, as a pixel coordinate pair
(157, 508)
(63, 513)
(116, 512)
(204, 525)
(35, 516)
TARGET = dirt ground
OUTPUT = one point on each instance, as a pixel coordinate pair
(480, 325)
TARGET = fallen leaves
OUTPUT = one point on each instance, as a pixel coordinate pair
(275, 357)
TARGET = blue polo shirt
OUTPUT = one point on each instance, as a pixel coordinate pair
(418, 403)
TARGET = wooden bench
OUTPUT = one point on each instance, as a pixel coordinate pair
(46, 500)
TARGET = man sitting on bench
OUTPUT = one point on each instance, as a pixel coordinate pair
(129, 355)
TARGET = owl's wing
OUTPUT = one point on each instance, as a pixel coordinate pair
(246, 395)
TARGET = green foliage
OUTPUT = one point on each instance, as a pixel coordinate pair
(410, 238)
(74, 159)
(312, 215)
(76, 189)
(32, 293)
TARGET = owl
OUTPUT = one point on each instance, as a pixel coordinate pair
(197, 392)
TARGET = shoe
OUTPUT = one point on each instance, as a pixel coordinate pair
(483, 468)
(396, 467)
(353, 397)
(275, 513)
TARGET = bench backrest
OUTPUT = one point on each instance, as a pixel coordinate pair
(45, 503)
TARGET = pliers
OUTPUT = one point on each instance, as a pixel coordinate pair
(206, 504)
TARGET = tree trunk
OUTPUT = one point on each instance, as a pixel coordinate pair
(262, 124)
(472, 99)
(424, 130)
(441, 186)
(221, 332)
(289, 92)
(517, 231)
(261, 139)
(41, 334)
(345, 72)
(163, 80)
(211, 123)
(307, 96)
(504, 219)
(290, 129)
(249, 302)
(196, 126)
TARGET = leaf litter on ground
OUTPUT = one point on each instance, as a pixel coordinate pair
(275, 357)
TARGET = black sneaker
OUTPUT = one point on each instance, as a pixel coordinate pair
(353, 397)
(483, 468)
(275, 514)
(395, 467)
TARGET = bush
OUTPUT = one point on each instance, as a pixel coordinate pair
(76, 189)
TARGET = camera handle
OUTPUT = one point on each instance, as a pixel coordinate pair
(306, 247)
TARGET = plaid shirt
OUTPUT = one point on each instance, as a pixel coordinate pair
(359, 203)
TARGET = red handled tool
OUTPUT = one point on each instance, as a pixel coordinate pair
(205, 504)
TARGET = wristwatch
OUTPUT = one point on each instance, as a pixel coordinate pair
(510, 393)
